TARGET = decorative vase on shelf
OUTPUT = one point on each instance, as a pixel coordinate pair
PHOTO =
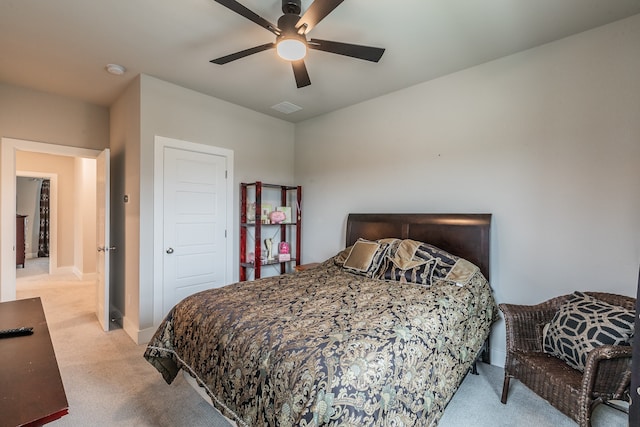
(269, 245)
(251, 212)
(284, 252)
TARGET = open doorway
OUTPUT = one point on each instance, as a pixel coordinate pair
(73, 223)
(36, 201)
(55, 207)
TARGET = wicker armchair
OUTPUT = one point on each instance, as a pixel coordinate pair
(606, 376)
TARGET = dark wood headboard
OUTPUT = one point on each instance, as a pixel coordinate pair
(464, 235)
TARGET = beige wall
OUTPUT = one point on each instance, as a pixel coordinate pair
(547, 140)
(31, 115)
(37, 116)
(125, 161)
(263, 150)
(64, 167)
(85, 217)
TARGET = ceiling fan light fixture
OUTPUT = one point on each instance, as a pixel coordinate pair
(291, 49)
(291, 36)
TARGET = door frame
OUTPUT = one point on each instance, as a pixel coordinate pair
(8, 149)
(160, 143)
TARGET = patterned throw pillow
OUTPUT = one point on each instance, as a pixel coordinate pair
(365, 256)
(444, 260)
(407, 263)
(410, 261)
(584, 323)
(341, 257)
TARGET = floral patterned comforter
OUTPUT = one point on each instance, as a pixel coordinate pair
(327, 347)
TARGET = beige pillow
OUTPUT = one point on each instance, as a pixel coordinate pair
(365, 257)
(462, 272)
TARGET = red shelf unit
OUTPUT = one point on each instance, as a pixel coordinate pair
(289, 196)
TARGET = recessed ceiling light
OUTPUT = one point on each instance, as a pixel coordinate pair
(116, 69)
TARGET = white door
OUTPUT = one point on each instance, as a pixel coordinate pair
(194, 229)
(102, 238)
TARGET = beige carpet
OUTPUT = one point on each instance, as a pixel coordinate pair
(106, 379)
(33, 267)
(108, 382)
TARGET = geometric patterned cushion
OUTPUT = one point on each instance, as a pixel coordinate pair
(583, 323)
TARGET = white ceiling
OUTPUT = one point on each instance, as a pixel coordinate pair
(62, 46)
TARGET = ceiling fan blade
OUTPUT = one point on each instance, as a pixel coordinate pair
(316, 13)
(232, 57)
(367, 53)
(250, 15)
(300, 72)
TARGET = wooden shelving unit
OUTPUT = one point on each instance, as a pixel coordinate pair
(255, 193)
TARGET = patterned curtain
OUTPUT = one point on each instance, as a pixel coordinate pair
(43, 237)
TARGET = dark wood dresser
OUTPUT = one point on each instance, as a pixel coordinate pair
(31, 390)
(20, 244)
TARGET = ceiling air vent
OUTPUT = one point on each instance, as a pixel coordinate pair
(286, 107)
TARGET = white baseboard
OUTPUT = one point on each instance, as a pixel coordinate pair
(90, 276)
(84, 276)
(130, 329)
(139, 336)
(145, 335)
(63, 270)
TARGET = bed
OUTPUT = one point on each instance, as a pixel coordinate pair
(381, 334)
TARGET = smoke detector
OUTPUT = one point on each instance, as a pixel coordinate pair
(116, 69)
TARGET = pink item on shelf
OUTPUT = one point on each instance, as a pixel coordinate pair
(277, 217)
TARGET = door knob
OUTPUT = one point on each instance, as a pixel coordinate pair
(170, 250)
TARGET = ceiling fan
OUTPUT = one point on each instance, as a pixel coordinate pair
(291, 36)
